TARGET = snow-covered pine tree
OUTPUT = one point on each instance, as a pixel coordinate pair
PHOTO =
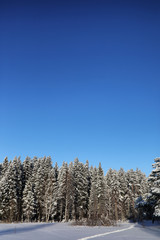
(62, 190)
(80, 190)
(132, 195)
(4, 198)
(56, 170)
(39, 187)
(27, 170)
(5, 166)
(10, 193)
(101, 188)
(54, 214)
(154, 178)
(113, 194)
(108, 183)
(18, 167)
(122, 193)
(65, 192)
(88, 177)
(136, 187)
(51, 191)
(116, 195)
(93, 199)
(70, 194)
(29, 202)
(47, 166)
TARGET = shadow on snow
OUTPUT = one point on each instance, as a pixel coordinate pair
(147, 226)
(15, 229)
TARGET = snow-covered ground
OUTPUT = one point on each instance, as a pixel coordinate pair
(61, 231)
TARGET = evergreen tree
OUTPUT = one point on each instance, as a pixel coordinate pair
(154, 178)
(10, 194)
(113, 194)
(51, 189)
(80, 190)
(27, 170)
(123, 194)
(88, 178)
(4, 198)
(29, 202)
(62, 190)
(55, 192)
(101, 191)
(93, 199)
(39, 189)
(5, 166)
(109, 200)
(132, 193)
(69, 213)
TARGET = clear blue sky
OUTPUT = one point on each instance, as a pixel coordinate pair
(81, 79)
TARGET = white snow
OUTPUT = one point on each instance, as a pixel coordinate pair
(104, 234)
(62, 231)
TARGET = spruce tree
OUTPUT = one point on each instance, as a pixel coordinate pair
(62, 190)
(123, 193)
(154, 178)
(93, 199)
(29, 202)
(101, 191)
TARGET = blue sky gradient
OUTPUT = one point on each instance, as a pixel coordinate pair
(81, 79)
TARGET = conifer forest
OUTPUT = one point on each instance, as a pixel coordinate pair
(36, 190)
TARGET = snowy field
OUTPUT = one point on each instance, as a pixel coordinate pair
(60, 231)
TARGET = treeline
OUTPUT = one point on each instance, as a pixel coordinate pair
(35, 190)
